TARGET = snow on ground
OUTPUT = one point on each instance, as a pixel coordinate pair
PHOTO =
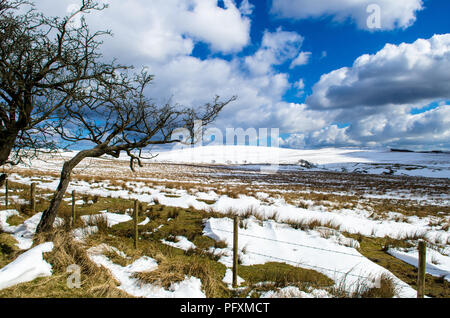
(228, 278)
(181, 243)
(255, 155)
(145, 222)
(342, 260)
(80, 234)
(274, 242)
(22, 233)
(352, 221)
(191, 287)
(437, 264)
(27, 267)
(211, 195)
(4, 215)
(111, 218)
(376, 161)
(294, 292)
(435, 165)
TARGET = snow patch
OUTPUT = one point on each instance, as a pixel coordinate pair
(263, 242)
(294, 292)
(145, 222)
(23, 233)
(191, 287)
(181, 243)
(228, 278)
(112, 218)
(27, 267)
(436, 264)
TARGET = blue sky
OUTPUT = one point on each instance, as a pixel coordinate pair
(316, 70)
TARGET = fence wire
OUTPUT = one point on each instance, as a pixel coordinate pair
(311, 266)
(371, 279)
(291, 243)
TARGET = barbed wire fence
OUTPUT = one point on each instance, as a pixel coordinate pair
(373, 279)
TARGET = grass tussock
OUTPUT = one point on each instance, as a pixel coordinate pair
(118, 258)
(272, 275)
(386, 289)
(15, 220)
(175, 270)
(283, 275)
(98, 220)
(175, 222)
(205, 253)
(8, 249)
(174, 264)
(414, 236)
(305, 225)
(95, 281)
(380, 287)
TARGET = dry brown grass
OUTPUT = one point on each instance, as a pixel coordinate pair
(252, 211)
(386, 288)
(174, 270)
(305, 225)
(100, 221)
(8, 249)
(446, 226)
(95, 281)
(31, 173)
(117, 258)
(15, 220)
(414, 236)
(407, 208)
(205, 253)
(273, 276)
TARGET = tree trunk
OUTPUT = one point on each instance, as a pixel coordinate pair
(49, 215)
(7, 141)
(3, 179)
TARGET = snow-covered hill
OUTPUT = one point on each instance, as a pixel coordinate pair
(436, 165)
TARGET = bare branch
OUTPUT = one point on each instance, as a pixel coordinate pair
(45, 64)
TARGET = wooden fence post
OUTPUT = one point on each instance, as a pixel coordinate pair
(421, 270)
(235, 250)
(6, 193)
(135, 216)
(73, 208)
(33, 198)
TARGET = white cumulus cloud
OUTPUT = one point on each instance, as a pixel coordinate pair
(162, 29)
(302, 59)
(277, 48)
(393, 13)
(405, 74)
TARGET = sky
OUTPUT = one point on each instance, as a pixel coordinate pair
(329, 73)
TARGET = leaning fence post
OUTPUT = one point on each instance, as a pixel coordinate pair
(235, 250)
(421, 270)
(33, 198)
(135, 216)
(73, 208)
(6, 194)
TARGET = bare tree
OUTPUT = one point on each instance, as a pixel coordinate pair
(116, 117)
(44, 62)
